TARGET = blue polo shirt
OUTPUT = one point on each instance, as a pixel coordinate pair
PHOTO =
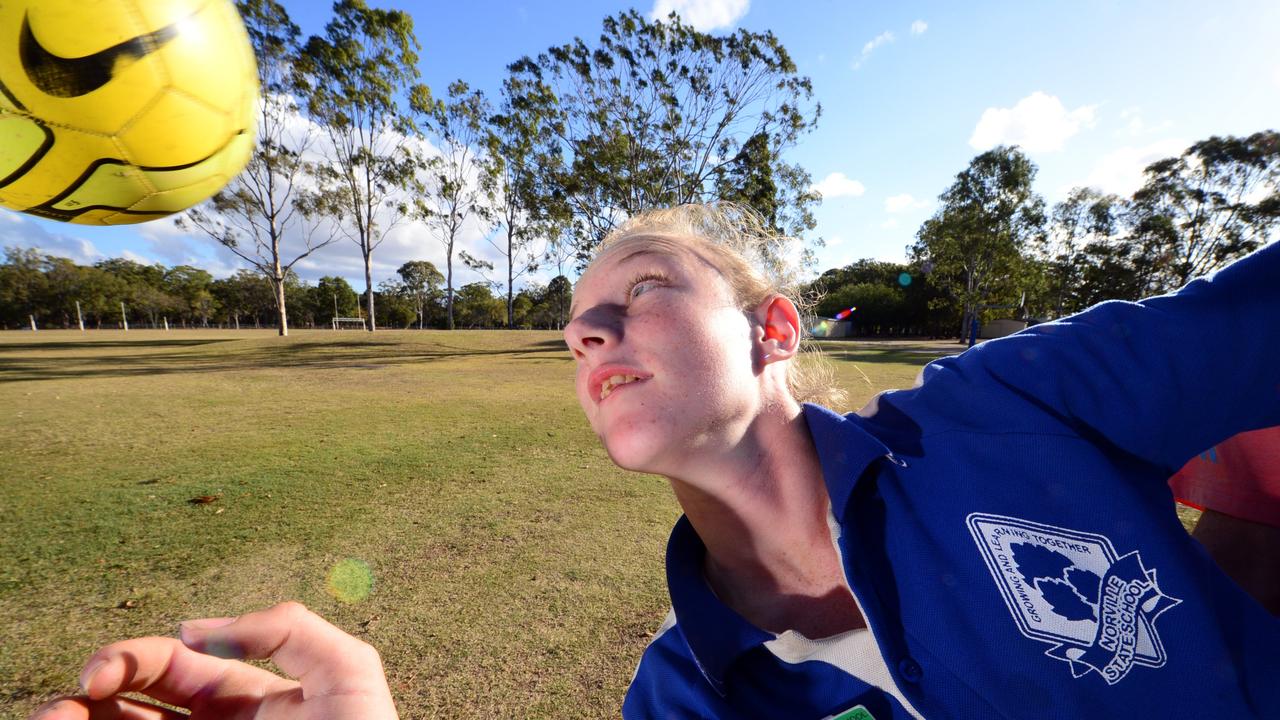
(1008, 531)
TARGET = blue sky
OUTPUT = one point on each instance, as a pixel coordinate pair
(1092, 90)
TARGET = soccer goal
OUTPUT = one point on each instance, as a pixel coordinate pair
(349, 324)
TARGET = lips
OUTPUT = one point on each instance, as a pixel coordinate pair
(605, 379)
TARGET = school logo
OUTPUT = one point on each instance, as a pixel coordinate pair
(1072, 590)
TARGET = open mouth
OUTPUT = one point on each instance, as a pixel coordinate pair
(613, 382)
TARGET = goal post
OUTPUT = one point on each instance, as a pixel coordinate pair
(349, 323)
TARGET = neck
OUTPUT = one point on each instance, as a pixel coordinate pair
(761, 509)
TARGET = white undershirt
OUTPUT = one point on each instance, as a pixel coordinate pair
(855, 652)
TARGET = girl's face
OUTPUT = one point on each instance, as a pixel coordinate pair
(666, 366)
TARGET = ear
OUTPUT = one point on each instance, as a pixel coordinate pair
(778, 337)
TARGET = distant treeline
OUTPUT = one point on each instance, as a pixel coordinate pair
(45, 290)
(993, 248)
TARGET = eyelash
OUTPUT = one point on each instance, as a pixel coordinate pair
(643, 277)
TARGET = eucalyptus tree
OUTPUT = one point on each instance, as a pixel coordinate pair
(455, 189)
(1084, 229)
(260, 211)
(657, 113)
(520, 144)
(421, 282)
(23, 286)
(975, 244)
(1217, 201)
(352, 79)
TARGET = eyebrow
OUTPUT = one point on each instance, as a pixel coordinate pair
(573, 306)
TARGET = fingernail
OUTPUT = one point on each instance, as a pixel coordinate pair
(87, 674)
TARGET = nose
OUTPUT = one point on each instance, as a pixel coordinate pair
(594, 328)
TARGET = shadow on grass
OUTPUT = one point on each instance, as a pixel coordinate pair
(893, 352)
(323, 355)
(95, 344)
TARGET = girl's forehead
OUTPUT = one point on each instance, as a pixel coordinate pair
(670, 249)
(673, 252)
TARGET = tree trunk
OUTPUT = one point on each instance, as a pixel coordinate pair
(449, 284)
(368, 288)
(511, 314)
(282, 316)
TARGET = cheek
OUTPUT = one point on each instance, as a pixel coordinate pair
(580, 389)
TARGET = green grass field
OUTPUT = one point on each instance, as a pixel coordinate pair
(516, 571)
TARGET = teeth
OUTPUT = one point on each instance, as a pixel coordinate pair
(606, 388)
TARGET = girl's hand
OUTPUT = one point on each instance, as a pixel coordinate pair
(334, 676)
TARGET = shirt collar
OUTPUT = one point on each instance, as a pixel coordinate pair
(845, 449)
(717, 636)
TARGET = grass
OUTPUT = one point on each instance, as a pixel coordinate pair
(515, 570)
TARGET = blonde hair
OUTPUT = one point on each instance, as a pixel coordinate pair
(754, 261)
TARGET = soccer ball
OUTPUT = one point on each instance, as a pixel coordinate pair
(122, 111)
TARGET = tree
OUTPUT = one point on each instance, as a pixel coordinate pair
(352, 78)
(396, 304)
(656, 112)
(879, 306)
(974, 245)
(421, 281)
(477, 307)
(1216, 202)
(1083, 225)
(519, 142)
(23, 285)
(890, 297)
(245, 294)
(143, 287)
(456, 189)
(190, 286)
(781, 193)
(335, 298)
(254, 213)
(558, 299)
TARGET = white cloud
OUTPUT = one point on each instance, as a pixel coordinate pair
(889, 224)
(838, 185)
(898, 203)
(1120, 171)
(834, 240)
(1136, 126)
(1275, 75)
(20, 231)
(883, 38)
(918, 27)
(703, 15)
(1038, 123)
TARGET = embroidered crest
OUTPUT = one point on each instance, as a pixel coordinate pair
(1071, 589)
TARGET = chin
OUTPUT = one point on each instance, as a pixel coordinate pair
(632, 449)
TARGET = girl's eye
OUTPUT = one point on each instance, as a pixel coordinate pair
(642, 287)
(643, 284)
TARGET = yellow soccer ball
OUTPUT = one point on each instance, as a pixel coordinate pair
(122, 111)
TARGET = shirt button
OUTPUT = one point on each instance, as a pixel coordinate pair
(910, 670)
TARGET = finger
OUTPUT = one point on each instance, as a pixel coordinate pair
(172, 673)
(113, 708)
(324, 659)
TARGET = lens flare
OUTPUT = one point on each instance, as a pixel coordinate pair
(350, 580)
(904, 279)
